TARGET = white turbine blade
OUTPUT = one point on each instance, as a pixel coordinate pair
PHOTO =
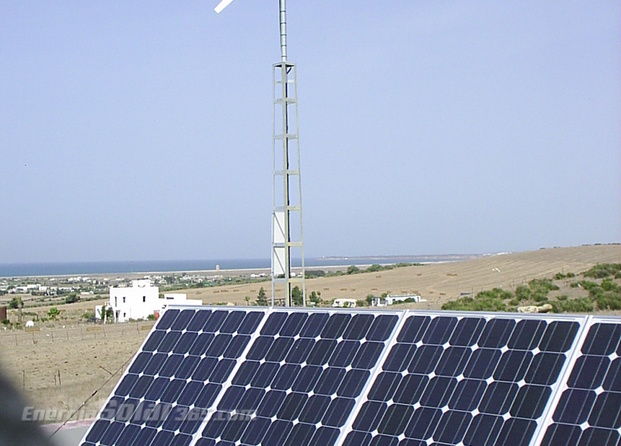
(223, 4)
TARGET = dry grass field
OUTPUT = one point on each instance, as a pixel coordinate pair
(59, 368)
(437, 282)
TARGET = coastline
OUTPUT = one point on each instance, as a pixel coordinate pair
(232, 267)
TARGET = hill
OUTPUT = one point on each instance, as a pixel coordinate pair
(60, 367)
(438, 282)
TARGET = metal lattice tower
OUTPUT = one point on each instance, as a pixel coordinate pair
(287, 234)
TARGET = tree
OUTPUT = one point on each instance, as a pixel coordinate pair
(261, 298)
(296, 296)
(353, 269)
(17, 303)
(374, 268)
(314, 297)
(107, 314)
(315, 273)
(72, 298)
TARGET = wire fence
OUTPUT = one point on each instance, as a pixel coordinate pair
(80, 333)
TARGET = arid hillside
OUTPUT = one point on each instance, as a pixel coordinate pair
(59, 368)
(437, 282)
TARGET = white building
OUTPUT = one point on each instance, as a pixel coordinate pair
(344, 303)
(135, 302)
(391, 300)
(142, 300)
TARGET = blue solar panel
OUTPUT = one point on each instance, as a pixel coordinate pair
(475, 380)
(175, 377)
(588, 411)
(301, 378)
(235, 377)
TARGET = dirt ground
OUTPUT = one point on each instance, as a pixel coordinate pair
(59, 368)
(436, 282)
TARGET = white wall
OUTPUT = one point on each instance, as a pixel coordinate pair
(135, 302)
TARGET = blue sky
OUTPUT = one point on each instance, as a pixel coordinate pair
(142, 130)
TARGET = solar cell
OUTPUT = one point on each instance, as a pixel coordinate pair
(247, 376)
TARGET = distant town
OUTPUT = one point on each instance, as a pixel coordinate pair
(43, 291)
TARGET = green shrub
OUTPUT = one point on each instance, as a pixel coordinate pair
(540, 297)
(353, 269)
(315, 273)
(603, 270)
(608, 300)
(496, 293)
(462, 304)
(484, 301)
(53, 313)
(539, 289)
(587, 285)
(609, 285)
(72, 298)
(490, 305)
(580, 305)
(315, 297)
(522, 292)
(544, 284)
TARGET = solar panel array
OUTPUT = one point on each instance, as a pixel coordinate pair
(247, 376)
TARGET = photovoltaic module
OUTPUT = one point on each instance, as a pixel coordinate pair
(277, 376)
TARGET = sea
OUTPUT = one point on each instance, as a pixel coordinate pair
(148, 266)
